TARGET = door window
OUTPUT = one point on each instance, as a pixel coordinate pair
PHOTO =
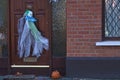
(59, 29)
(3, 28)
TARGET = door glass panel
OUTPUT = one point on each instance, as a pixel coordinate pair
(59, 28)
(3, 28)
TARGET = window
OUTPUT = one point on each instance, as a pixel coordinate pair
(3, 29)
(59, 29)
(111, 20)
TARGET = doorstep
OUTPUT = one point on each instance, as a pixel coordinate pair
(20, 77)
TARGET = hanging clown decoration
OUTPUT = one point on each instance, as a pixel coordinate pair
(30, 37)
(53, 1)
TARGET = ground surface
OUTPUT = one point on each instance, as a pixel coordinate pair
(62, 78)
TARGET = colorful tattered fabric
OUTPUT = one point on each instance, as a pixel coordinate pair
(29, 36)
(53, 1)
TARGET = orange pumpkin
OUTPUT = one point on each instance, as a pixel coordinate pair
(55, 74)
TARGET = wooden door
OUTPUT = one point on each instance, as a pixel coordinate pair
(42, 12)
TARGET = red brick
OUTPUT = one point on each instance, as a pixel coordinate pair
(84, 29)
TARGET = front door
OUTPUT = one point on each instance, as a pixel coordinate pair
(42, 12)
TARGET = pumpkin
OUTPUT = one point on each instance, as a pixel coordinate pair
(55, 74)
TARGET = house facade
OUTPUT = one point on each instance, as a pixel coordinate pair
(90, 42)
(90, 50)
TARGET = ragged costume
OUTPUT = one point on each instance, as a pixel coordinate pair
(30, 37)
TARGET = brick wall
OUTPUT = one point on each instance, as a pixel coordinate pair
(84, 27)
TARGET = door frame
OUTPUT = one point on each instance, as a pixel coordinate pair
(57, 63)
(10, 69)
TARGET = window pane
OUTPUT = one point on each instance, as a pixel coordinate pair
(59, 29)
(112, 18)
(3, 29)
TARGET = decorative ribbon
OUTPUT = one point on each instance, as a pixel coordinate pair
(30, 36)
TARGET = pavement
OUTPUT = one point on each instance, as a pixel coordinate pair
(46, 78)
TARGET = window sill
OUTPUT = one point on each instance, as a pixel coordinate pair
(108, 43)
